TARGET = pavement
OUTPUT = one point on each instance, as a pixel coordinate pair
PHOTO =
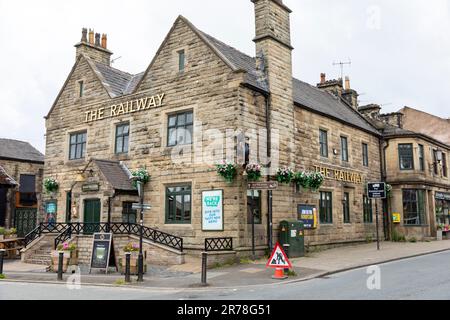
(188, 276)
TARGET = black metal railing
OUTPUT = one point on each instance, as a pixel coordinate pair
(218, 244)
(65, 231)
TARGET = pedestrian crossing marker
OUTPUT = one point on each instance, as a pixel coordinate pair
(279, 259)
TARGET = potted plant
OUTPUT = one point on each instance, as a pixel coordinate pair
(131, 249)
(315, 180)
(10, 234)
(2, 233)
(253, 172)
(227, 170)
(285, 175)
(51, 185)
(69, 251)
(140, 175)
(440, 229)
(389, 191)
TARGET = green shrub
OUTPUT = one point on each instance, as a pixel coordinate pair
(413, 240)
(2, 231)
(369, 239)
(397, 237)
(292, 273)
(2, 277)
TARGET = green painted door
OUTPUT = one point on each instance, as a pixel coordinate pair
(25, 221)
(91, 216)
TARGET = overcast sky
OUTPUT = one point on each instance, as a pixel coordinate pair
(400, 50)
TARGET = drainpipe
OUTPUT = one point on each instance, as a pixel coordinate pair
(269, 156)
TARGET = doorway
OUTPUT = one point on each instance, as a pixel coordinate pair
(3, 192)
(92, 214)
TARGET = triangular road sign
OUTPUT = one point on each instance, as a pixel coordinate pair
(279, 259)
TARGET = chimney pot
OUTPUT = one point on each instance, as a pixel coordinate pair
(97, 39)
(347, 83)
(91, 36)
(323, 78)
(84, 35)
(104, 41)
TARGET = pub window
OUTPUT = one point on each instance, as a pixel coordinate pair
(326, 208)
(77, 146)
(180, 129)
(421, 157)
(181, 60)
(254, 206)
(27, 190)
(436, 162)
(444, 165)
(365, 151)
(405, 152)
(178, 205)
(128, 214)
(80, 89)
(346, 207)
(368, 213)
(344, 149)
(323, 143)
(414, 207)
(122, 138)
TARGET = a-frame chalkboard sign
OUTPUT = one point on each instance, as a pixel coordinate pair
(102, 252)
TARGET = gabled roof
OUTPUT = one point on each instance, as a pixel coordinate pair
(19, 150)
(116, 174)
(6, 179)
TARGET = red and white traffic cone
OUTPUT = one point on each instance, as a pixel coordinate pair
(279, 274)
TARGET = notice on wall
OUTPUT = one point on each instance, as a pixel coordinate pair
(308, 215)
(212, 210)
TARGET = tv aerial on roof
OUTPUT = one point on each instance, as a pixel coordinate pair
(342, 64)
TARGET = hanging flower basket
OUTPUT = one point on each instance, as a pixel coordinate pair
(301, 179)
(51, 185)
(285, 175)
(140, 175)
(389, 190)
(253, 171)
(315, 180)
(227, 170)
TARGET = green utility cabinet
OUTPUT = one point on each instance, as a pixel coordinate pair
(292, 233)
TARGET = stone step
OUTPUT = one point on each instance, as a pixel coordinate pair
(38, 262)
(41, 257)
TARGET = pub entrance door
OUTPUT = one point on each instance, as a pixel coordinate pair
(25, 221)
(3, 192)
(92, 216)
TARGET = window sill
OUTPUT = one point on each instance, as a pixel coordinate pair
(416, 226)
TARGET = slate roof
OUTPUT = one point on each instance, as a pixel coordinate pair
(116, 174)
(304, 94)
(19, 150)
(6, 179)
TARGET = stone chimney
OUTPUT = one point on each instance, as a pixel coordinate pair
(273, 46)
(94, 48)
(350, 95)
(333, 86)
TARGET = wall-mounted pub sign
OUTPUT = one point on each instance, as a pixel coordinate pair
(340, 175)
(90, 187)
(308, 215)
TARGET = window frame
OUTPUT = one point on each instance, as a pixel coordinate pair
(122, 137)
(127, 210)
(421, 157)
(324, 150)
(175, 194)
(346, 208)
(421, 207)
(181, 60)
(444, 165)
(177, 126)
(77, 144)
(81, 89)
(367, 210)
(365, 154)
(401, 156)
(344, 149)
(326, 218)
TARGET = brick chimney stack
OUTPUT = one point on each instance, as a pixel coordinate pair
(323, 78)
(94, 46)
(350, 95)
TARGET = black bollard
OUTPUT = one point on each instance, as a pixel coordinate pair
(204, 268)
(2, 254)
(127, 268)
(60, 266)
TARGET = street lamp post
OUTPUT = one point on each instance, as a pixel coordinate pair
(140, 187)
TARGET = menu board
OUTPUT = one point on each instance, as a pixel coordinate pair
(308, 215)
(212, 210)
(101, 251)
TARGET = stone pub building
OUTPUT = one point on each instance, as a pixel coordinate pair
(175, 119)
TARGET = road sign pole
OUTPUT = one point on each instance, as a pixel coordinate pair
(270, 220)
(378, 228)
(253, 227)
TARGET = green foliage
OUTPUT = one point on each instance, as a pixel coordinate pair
(253, 171)
(285, 175)
(119, 282)
(51, 185)
(245, 261)
(2, 231)
(2, 277)
(131, 247)
(292, 273)
(309, 180)
(412, 240)
(397, 237)
(67, 247)
(369, 239)
(141, 175)
(227, 170)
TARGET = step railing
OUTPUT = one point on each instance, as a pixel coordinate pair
(65, 231)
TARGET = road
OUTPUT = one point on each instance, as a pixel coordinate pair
(425, 277)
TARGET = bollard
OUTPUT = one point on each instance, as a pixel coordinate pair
(127, 267)
(2, 255)
(204, 268)
(60, 266)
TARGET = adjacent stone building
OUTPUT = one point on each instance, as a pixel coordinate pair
(416, 166)
(201, 102)
(21, 172)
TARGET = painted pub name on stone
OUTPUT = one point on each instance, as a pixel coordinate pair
(121, 109)
(340, 175)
